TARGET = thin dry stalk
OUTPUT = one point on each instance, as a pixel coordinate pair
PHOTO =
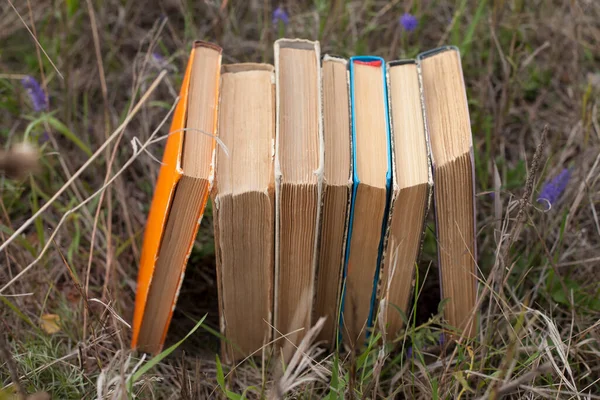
(524, 202)
(381, 323)
(43, 208)
(63, 162)
(104, 90)
(6, 356)
(515, 384)
(33, 35)
(302, 367)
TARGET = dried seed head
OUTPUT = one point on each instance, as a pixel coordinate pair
(19, 161)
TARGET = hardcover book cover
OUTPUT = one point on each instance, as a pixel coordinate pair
(299, 155)
(412, 185)
(337, 192)
(453, 167)
(370, 196)
(169, 176)
(243, 213)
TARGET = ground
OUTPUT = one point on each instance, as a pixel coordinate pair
(67, 282)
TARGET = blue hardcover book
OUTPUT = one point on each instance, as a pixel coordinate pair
(372, 176)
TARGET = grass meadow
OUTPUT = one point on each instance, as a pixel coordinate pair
(90, 86)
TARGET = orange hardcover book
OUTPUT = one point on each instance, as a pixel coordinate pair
(182, 189)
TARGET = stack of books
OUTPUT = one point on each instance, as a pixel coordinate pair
(321, 181)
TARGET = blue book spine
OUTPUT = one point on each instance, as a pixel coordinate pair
(356, 181)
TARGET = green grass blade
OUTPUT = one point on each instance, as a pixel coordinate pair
(24, 317)
(468, 39)
(72, 7)
(60, 127)
(221, 381)
(456, 26)
(150, 364)
(220, 374)
(334, 387)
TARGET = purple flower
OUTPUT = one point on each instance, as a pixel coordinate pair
(553, 189)
(409, 352)
(36, 93)
(158, 58)
(43, 138)
(280, 15)
(409, 22)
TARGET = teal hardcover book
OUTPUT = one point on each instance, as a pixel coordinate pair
(372, 177)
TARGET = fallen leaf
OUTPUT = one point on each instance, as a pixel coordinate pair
(8, 393)
(50, 323)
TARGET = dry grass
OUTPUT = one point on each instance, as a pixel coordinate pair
(526, 64)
